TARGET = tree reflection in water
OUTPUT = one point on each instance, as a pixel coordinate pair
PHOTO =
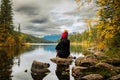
(7, 56)
(63, 72)
(6, 62)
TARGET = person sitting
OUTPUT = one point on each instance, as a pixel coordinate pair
(63, 47)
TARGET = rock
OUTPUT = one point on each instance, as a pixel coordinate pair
(39, 71)
(92, 77)
(113, 61)
(103, 65)
(62, 61)
(116, 77)
(25, 70)
(39, 65)
(86, 61)
(78, 72)
(107, 70)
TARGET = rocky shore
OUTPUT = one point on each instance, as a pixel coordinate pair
(96, 67)
(89, 67)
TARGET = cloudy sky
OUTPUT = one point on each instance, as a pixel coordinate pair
(45, 17)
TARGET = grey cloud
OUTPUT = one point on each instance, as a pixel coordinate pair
(83, 13)
(28, 10)
(40, 21)
(38, 30)
(42, 17)
(86, 11)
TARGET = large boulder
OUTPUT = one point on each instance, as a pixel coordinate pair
(62, 61)
(103, 65)
(39, 67)
(113, 61)
(86, 61)
(78, 72)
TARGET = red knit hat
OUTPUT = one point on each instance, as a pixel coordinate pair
(64, 35)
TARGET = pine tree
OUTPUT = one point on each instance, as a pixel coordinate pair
(6, 16)
(6, 19)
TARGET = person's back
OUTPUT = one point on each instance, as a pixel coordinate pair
(63, 47)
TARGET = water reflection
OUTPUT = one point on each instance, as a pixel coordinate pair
(6, 62)
(49, 48)
(63, 72)
(7, 56)
(14, 61)
(77, 48)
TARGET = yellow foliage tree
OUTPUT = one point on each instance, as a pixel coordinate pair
(108, 28)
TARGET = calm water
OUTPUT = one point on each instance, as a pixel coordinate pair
(14, 62)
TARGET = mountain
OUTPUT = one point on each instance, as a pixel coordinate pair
(33, 39)
(52, 38)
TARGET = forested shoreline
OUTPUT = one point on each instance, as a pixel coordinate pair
(106, 32)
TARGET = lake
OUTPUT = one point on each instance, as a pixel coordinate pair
(15, 64)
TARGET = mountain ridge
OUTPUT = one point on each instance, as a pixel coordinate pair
(54, 37)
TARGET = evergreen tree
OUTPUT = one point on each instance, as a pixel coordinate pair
(6, 16)
(6, 20)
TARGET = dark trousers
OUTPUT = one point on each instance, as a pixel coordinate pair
(63, 54)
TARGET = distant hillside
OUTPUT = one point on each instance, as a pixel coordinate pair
(33, 39)
(52, 38)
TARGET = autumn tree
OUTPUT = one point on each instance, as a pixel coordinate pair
(106, 32)
(108, 29)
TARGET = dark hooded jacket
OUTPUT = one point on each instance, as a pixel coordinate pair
(63, 48)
